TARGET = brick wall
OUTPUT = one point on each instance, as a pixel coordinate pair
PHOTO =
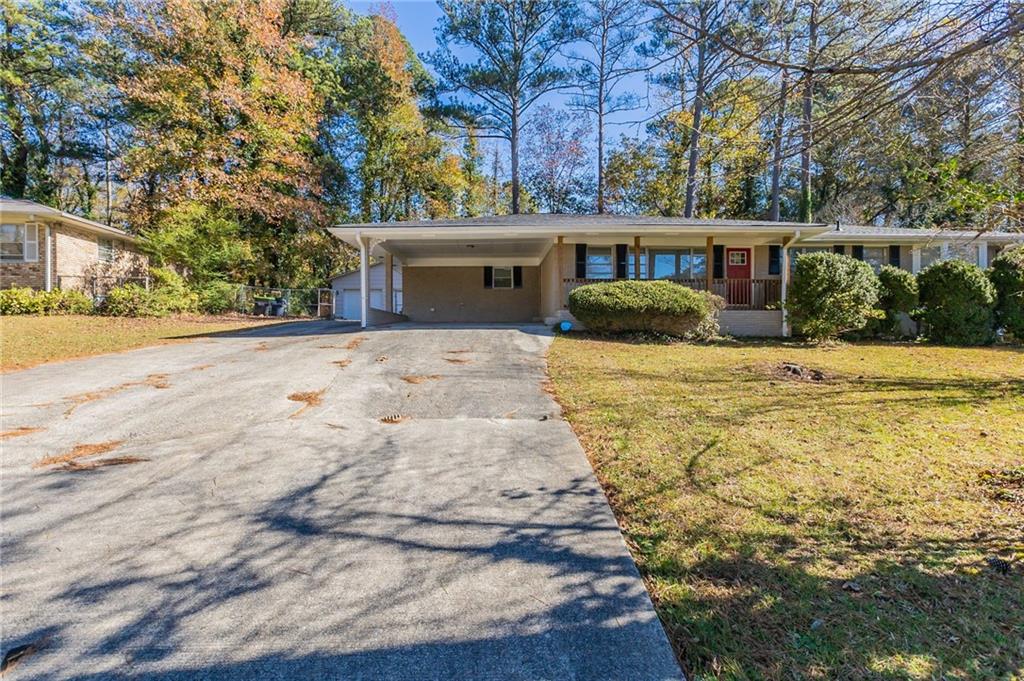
(76, 263)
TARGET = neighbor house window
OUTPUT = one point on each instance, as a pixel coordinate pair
(19, 243)
(502, 277)
(599, 263)
(107, 250)
(683, 263)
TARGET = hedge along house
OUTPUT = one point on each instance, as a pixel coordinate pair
(45, 248)
(522, 268)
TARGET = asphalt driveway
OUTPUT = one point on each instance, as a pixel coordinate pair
(424, 513)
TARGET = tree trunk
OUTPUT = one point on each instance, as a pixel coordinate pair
(777, 137)
(600, 150)
(806, 209)
(780, 121)
(514, 143)
(698, 113)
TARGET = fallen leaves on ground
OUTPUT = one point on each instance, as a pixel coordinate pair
(18, 432)
(416, 379)
(311, 398)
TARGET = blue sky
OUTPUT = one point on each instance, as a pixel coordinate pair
(417, 20)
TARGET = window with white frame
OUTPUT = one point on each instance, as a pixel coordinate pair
(600, 264)
(19, 243)
(682, 263)
(502, 277)
(107, 249)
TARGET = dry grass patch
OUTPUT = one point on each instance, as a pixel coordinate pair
(837, 529)
(416, 379)
(457, 360)
(28, 340)
(311, 398)
(342, 363)
(19, 432)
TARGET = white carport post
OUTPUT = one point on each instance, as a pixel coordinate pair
(786, 241)
(364, 280)
(389, 282)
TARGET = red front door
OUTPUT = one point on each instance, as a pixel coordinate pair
(737, 272)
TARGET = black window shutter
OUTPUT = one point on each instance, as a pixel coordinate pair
(858, 252)
(894, 256)
(774, 259)
(488, 277)
(839, 248)
(517, 276)
(581, 261)
(621, 251)
(718, 266)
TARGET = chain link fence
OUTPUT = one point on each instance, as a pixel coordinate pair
(285, 302)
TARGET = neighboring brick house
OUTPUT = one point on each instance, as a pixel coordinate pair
(45, 248)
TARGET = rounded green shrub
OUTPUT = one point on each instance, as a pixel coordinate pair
(897, 296)
(1007, 275)
(57, 301)
(831, 294)
(646, 306)
(17, 300)
(171, 293)
(131, 300)
(957, 302)
(217, 297)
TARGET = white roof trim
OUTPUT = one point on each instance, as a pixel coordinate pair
(37, 212)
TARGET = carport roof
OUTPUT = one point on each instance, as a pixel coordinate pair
(534, 226)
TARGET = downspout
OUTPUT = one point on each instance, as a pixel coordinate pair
(48, 268)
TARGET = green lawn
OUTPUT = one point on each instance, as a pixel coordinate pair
(29, 340)
(794, 529)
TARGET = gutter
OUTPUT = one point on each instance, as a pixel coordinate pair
(48, 268)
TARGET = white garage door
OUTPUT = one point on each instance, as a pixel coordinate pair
(350, 302)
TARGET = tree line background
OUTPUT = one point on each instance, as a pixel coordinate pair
(230, 133)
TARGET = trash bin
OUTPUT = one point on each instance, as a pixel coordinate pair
(277, 308)
(260, 307)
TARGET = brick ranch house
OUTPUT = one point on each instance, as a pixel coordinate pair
(45, 248)
(521, 268)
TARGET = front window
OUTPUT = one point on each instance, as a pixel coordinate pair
(967, 252)
(502, 277)
(683, 263)
(632, 264)
(19, 243)
(930, 255)
(795, 254)
(600, 264)
(876, 257)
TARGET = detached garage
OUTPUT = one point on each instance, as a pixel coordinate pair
(346, 291)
